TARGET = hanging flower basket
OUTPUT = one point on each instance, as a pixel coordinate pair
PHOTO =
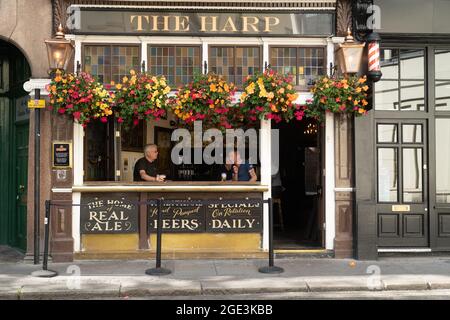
(81, 97)
(207, 98)
(270, 95)
(141, 96)
(338, 95)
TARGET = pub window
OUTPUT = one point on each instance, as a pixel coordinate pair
(177, 63)
(402, 87)
(235, 63)
(110, 62)
(304, 64)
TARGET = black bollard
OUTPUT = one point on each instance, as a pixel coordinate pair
(271, 268)
(158, 271)
(45, 273)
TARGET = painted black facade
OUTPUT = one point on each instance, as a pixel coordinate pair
(395, 216)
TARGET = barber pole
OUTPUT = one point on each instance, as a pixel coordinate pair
(374, 70)
(374, 56)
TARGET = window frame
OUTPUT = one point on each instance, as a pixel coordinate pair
(199, 46)
(261, 57)
(297, 59)
(399, 79)
(111, 45)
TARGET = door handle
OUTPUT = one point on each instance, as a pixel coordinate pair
(21, 188)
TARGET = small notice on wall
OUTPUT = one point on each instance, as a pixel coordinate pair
(62, 154)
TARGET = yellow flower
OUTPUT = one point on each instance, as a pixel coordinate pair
(118, 86)
(364, 102)
(270, 96)
(289, 87)
(365, 88)
(361, 110)
(212, 87)
(132, 72)
(358, 90)
(273, 108)
(281, 91)
(355, 102)
(125, 80)
(58, 78)
(325, 80)
(345, 86)
(362, 80)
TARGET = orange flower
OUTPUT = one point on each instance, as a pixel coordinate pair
(364, 102)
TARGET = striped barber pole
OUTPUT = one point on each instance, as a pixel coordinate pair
(374, 56)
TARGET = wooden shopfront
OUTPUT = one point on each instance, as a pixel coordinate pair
(234, 41)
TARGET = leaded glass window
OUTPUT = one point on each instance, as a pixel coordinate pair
(302, 63)
(177, 63)
(235, 63)
(110, 62)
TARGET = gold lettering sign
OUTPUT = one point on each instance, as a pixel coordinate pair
(203, 22)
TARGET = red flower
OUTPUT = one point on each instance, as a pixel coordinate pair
(120, 120)
(61, 110)
(76, 115)
(104, 119)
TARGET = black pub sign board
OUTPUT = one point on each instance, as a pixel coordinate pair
(61, 154)
(178, 216)
(193, 216)
(109, 213)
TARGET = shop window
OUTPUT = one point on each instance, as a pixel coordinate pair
(235, 63)
(400, 153)
(110, 62)
(442, 163)
(402, 87)
(442, 80)
(387, 175)
(177, 63)
(304, 64)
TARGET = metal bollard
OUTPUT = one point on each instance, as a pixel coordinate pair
(158, 271)
(45, 273)
(271, 268)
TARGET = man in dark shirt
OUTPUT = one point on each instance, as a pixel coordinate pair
(146, 168)
(237, 170)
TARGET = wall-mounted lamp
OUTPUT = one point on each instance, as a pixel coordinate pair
(349, 55)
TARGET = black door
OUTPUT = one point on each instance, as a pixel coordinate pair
(402, 188)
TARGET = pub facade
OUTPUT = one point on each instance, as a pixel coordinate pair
(344, 192)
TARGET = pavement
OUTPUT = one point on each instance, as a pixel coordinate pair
(125, 279)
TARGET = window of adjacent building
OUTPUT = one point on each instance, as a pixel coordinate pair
(442, 80)
(235, 63)
(400, 162)
(110, 62)
(177, 63)
(303, 64)
(442, 162)
(402, 87)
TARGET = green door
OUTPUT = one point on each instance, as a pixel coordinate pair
(19, 221)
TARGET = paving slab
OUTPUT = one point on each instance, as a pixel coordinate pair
(229, 285)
